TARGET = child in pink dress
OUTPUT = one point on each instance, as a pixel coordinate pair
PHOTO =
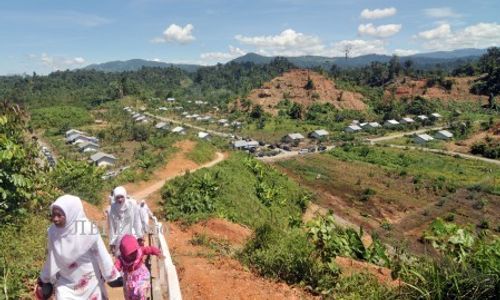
(136, 277)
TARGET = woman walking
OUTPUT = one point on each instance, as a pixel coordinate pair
(124, 218)
(78, 263)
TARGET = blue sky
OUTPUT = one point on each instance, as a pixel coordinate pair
(46, 35)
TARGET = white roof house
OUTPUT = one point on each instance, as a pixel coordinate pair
(179, 130)
(171, 99)
(203, 135)
(73, 131)
(140, 119)
(102, 159)
(161, 125)
(242, 144)
(423, 138)
(222, 121)
(422, 118)
(136, 115)
(88, 147)
(391, 123)
(318, 134)
(371, 125)
(407, 120)
(436, 116)
(163, 108)
(293, 137)
(352, 128)
(236, 123)
(83, 139)
(443, 135)
(185, 113)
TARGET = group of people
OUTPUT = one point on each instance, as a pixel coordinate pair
(78, 263)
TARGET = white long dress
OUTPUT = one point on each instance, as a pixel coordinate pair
(77, 261)
(80, 280)
(124, 218)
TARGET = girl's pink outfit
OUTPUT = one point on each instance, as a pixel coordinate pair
(136, 276)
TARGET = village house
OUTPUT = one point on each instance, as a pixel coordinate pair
(352, 128)
(88, 147)
(371, 125)
(222, 122)
(407, 120)
(391, 123)
(247, 145)
(422, 138)
(102, 159)
(422, 118)
(179, 130)
(203, 135)
(436, 116)
(171, 99)
(161, 125)
(319, 134)
(443, 135)
(72, 132)
(293, 138)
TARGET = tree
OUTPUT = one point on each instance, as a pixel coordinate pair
(256, 112)
(295, 111)
(394, 67)
(310, 84)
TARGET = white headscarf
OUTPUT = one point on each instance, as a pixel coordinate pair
(76, 237)
(120, 208)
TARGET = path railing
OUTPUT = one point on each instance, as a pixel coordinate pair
(168, 277)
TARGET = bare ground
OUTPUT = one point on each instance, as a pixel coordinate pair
(291, 85)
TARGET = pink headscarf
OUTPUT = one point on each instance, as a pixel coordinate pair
(129, 245)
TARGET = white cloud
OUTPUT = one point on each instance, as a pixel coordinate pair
(481, 35)
(404, 52)
(358, 47)
(287, 43)
(58, 62)
(234, 52)
(441, 31)
(176, 33)
(378, 13)
(381, 31)
(441, 13)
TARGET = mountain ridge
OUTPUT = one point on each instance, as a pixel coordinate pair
(423, 60)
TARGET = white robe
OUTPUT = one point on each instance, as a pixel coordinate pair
(77, 263)
(145, 213)
(85, 277)
(124, 219)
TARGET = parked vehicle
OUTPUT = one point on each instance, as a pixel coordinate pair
(303, 151)
(321, 148)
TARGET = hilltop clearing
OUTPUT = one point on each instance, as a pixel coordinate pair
(451, 89)
(304, 87)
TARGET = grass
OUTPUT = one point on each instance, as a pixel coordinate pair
(236, 197)
(456, 171)
(203, 152)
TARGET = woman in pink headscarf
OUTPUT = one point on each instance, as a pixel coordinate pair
(78, 263)
(136, 276)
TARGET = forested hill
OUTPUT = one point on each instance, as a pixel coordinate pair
(217, 84)
(137, 64)
(446, 59)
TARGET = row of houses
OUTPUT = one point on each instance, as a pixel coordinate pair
(440, 135)
(89, 144)
(137, 117)
(357, 126)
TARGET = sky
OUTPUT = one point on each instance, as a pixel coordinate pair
(47, 35)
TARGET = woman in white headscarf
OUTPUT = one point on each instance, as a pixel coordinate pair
(77, 263)
(124, 218)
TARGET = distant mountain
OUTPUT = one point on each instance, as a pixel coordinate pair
(423, 60)
(447, 59)
(459, 53)
(136, 64)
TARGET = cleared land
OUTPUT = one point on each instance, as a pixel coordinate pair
(396, 192)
